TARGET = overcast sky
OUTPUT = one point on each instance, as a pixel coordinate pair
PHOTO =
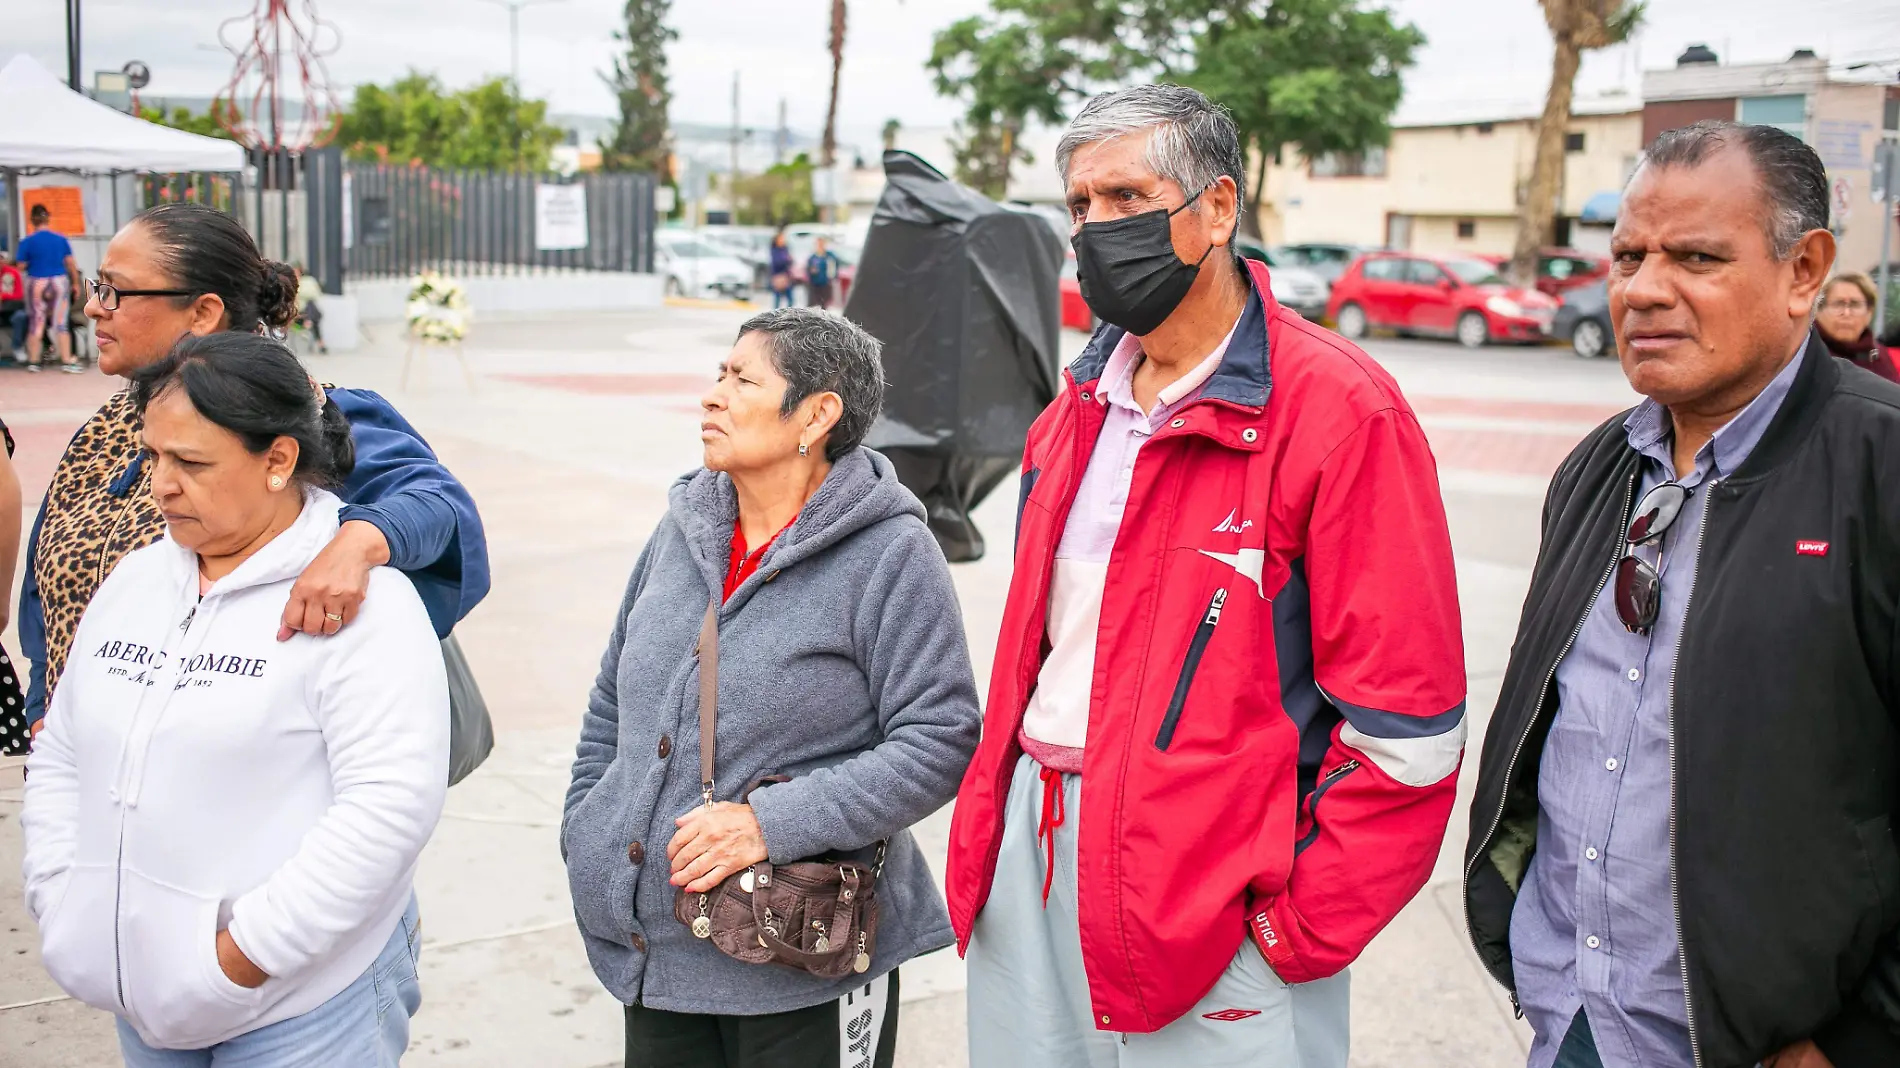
(1489, 49)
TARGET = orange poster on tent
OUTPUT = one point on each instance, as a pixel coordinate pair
(69, 214)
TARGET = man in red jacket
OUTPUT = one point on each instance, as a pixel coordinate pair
(1228, 696)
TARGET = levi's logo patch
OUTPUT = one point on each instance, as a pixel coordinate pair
(1230, 1015)
(1809, 547)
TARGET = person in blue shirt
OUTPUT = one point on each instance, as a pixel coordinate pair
(183, 269)
(52, 277)
(820, 269)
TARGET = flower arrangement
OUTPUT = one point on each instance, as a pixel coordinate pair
(438, 309)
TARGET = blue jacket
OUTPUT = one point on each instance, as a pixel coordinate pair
(398, 486)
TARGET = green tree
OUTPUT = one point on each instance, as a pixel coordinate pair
(1576, 26)
(487, 126)
(1321, 74)
(642, 141)
(780, 196)
(206, 124)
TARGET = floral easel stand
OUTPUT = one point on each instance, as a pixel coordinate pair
(438, 316)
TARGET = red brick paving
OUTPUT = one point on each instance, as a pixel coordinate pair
(1513, 409)
(43, 411)
(1510, 452)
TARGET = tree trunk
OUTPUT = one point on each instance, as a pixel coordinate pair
(1537, 216)
(1250, 222)
(828, 151)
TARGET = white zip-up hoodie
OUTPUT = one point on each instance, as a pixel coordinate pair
(197, 774)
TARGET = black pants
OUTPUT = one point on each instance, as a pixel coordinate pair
(858, 1030)
(818, 295)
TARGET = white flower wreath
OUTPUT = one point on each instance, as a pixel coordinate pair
(438, 309)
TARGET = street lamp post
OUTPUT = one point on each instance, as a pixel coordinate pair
(73, 81)
(514, 34)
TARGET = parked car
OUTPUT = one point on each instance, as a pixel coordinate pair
(1560, 270)
(1459, 297)
(1327, 260)
(1075, 311)
(1584, 319)
(693, 267)
(1301, 289)
(751, 245)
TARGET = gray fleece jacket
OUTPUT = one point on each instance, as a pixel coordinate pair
(842, 663)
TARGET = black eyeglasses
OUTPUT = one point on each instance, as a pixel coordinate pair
(1639, 585)
(108, 295)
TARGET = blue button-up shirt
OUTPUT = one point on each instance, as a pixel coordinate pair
(1594, 927)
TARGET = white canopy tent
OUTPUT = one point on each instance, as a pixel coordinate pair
(52, 136)
(43, 124)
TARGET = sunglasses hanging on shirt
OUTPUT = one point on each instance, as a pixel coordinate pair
(1638, 584)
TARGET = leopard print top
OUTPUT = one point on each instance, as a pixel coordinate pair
(98, 509)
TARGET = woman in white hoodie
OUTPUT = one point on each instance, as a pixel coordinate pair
(222, 829)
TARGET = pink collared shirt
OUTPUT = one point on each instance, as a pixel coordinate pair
(1055, 725)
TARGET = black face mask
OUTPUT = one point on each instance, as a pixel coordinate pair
(1128, 271)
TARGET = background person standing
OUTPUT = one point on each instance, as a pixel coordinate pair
(52, 277)
(1846, 319)
(821, 267)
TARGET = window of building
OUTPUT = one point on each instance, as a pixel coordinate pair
(1367, 164)
(1573, 142)
(1467, 229)
(1788, 113)
(1485, 128)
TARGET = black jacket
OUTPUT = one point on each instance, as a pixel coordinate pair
(1786, 756)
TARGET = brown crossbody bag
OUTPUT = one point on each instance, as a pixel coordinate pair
(818, 915)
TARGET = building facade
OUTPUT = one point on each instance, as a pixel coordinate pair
(1451, 181)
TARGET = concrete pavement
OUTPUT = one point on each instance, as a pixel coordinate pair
(568, 439)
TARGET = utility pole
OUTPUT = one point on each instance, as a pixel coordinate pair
(514, 35)
(1888, 195)
(784, 139)
(732, 178)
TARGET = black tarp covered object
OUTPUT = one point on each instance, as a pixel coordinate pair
(963, 293)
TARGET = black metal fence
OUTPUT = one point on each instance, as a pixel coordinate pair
(399, 220)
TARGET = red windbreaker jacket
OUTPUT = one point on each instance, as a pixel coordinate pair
(1277, 713)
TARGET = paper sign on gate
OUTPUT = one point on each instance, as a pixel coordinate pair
(560, 217)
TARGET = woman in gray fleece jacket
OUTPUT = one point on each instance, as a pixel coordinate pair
(842, 664)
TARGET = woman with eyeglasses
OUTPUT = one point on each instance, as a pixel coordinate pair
(1846, 321)
(183, 270)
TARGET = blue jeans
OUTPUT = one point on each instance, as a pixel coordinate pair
(365, 1026)
(782, 298)
(1580, 1046)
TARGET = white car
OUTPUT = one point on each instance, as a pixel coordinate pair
(695, 268)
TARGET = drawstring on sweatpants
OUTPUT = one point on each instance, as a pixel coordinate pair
(1052, 817)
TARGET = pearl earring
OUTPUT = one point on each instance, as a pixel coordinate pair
(276, 482)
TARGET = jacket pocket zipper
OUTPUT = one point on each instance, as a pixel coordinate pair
(1196, 647)
(1312, 803)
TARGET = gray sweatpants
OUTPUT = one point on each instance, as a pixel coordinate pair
(1029, 997)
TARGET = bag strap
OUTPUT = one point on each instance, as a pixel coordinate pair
(708, 696)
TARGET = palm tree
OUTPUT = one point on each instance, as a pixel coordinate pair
(828, 150)
(1576, 26)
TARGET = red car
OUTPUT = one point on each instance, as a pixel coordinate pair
(1459, 297)
(1075, 311)
(1562, 269)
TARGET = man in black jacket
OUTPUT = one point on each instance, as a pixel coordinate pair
(1682, 846)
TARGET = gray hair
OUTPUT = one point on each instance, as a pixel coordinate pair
(1194, 142)
(818, 352)
(1793, 180)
